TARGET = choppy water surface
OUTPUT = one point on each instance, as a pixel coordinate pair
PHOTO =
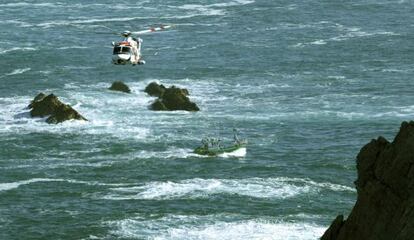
(307, 82)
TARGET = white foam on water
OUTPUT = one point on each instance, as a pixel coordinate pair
(171, 152)
(215, 5)
(18, 71)
(61, 164)
(199, 10)
(356, 33)
(232, 3)
(278, 188)
(350, 33)
(14, 185)
(3, 51)
(241, 152)
(231, 227)
(71, 47)
(91, 105)
(26, 4)
(318, 42)
(215, 9)
(86, 21)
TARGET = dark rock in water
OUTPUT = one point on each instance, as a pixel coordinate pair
(63, 113)
(176, 99)
(154, 89)
(170, 99)
(51, 106)
(120, 86)
(39, 97)
(385, 205)
(158, 106)
(44, 107)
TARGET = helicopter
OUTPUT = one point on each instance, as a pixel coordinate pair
(128, 51)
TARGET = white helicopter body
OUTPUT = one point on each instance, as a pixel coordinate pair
(128, 51)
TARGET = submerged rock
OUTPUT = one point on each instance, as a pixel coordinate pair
(51, 106)
(385, 205)
(170, 99)
(120, 86)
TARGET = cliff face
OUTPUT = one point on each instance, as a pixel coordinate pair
(385, 205)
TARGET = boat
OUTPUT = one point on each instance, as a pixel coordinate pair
(214, 147)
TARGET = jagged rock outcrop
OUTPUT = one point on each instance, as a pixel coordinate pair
(38, 97)
(154, 89)
(170, 99)
(51, 106)
(385, 205)
(120, 86)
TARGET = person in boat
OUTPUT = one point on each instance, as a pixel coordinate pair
(235, 137)
(204, 142)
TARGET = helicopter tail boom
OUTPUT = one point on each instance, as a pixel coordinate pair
(156, 29)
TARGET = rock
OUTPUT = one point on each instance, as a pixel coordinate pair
(51, 106)
(176, 99)
(170, 99)
(44, 107)
(385, 205)
(120, 86)
(333, 230)
(63, 113)
(39, 97)
(158, 106)
(154, 89)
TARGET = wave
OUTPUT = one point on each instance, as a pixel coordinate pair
(210, 9)
(3, 51)
(26, 4)
(86, 21)
(227, 4)
(171, 152)
(230, 226)
(279, 188)
(72, 47)
(16, 117)
(14, 185)
(351, 33)
(18, 71)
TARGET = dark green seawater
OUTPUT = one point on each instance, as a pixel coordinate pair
(308, 83)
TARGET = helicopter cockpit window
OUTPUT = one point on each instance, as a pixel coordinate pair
(126, 50)
(120, 50)
(117, 50)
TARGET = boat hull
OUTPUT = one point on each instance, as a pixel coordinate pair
(236, 150)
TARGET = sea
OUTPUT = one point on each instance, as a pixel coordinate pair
(307, 83)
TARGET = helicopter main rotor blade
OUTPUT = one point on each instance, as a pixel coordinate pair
(162, 28)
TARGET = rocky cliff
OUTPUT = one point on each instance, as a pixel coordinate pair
(385, 205)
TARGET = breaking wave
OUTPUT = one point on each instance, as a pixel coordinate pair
(279, 188)
(18, 71)
(224, 227)
(3, 51)
(14, 185)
